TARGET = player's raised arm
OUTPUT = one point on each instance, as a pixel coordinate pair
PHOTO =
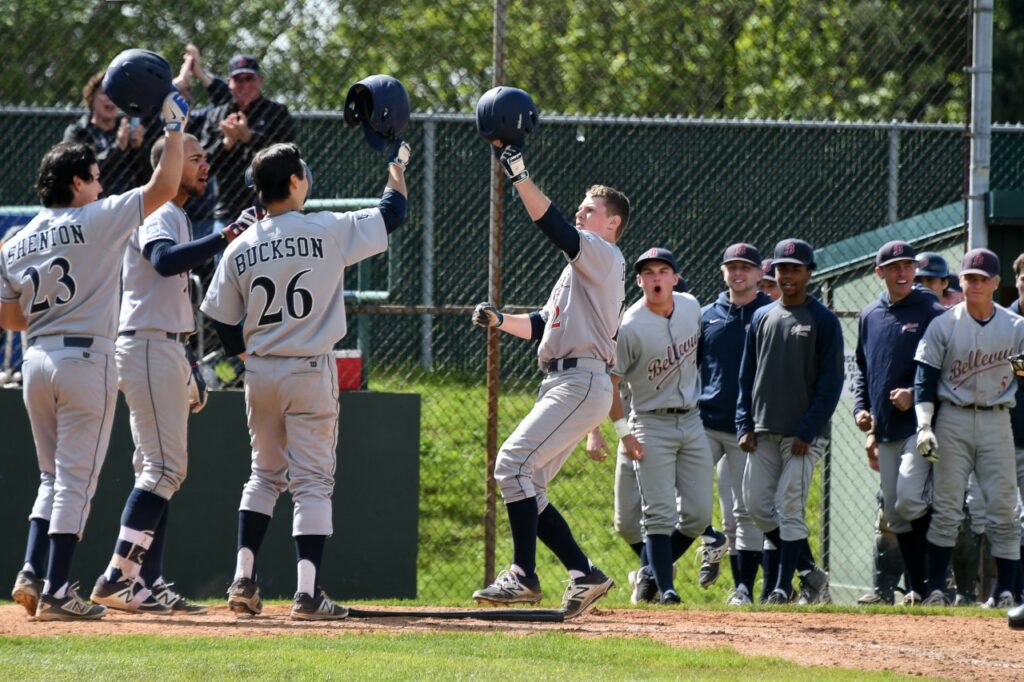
(163, 186)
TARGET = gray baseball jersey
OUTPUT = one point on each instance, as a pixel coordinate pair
(153, 371)
(583, 310)
(974, 373)
(63, 269)
(973, 358)
(581, 319)
(148, 299)
(285, 275)
(657, 357)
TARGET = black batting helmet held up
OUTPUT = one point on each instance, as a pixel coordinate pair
(381, 104)
(506, 114)
(137, 81)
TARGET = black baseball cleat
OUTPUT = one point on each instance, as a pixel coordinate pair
(163, 594)
(244, 597)
(510, 588)
(69, 607)
(581, 593)
(645, 589)
(1015, 618)
(27, 588)
(319, 607)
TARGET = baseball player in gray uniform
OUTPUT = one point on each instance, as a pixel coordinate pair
(656, 355)
(576, 329)
(963, 366)
(59, 284)
(160, 384)
(796, 346)
(276, 298)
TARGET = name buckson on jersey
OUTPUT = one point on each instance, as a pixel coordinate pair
(276, 249)
(44, 240)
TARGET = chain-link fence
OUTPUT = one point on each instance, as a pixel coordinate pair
(843, 123)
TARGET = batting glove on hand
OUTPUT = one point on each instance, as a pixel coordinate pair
(927, 445)
(486, 315)
(248, 217)
(514, 165)
(1017, 362)
(398, 153)
(197, 393)
(174, 112)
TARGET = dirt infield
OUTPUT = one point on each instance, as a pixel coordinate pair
(941, 646)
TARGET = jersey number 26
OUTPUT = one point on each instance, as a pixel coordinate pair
(299, 301)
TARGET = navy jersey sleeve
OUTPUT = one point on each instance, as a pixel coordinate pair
(748, 370)
(861, 400)
(829, 386)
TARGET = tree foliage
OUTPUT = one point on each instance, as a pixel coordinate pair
(821, 59)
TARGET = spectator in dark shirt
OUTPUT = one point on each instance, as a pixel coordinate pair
(116, 139)
(233, 132)
(200, 209)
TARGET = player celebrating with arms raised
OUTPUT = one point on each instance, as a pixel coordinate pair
(282, 279)
(576, 330)
(59, 279)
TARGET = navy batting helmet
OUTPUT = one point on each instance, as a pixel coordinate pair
(137, 81)
(506, 114)
(381, 104)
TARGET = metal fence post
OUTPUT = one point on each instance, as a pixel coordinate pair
(981, 123)
(427, 264)
(892, 211)
(494, 296)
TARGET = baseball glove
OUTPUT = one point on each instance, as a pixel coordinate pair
(1017, 362)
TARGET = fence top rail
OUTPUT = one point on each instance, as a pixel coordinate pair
(569, 119)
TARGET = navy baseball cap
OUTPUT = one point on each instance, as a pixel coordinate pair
(742, 252)
(980, 262)
(795, 251)
(768, 270)
(243, 63)
(954, 283)
(930, 264)
(894, 251)
(656, 253)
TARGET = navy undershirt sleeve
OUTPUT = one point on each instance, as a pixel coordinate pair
(230, 337)
(558, 230)
(392, 207)
(536, 326)
(926, 383)
(170, 259)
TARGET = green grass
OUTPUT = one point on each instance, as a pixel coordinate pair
(462, 656)
(452, 475)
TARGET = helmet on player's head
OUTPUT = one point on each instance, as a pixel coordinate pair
(506, 114)
(381, 104)
(137, 81)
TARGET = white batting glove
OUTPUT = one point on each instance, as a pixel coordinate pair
(248, 217)
(486, 315)
(927, 445)
(399, 154)
(514, 165)
(174, 112)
